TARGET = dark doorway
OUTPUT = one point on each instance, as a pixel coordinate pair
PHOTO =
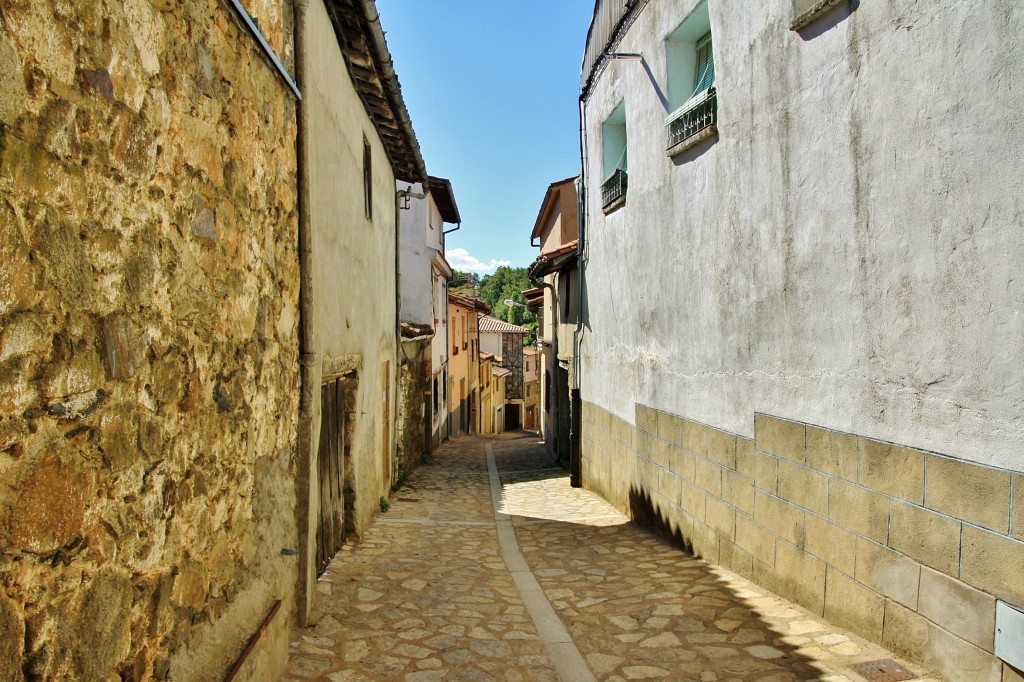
(562, 415)
(463, 408)
(512, 420)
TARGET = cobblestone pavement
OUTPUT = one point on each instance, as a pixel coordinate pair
(437, 589)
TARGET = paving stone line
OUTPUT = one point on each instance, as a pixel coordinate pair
(563, 652)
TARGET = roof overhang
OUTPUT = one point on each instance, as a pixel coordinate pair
(488, 324)
(554, 260)
(361, 39)
(441, 264)
(534, 297)
(467, 302)
(444, 199)
(548, 205)
(412, 331)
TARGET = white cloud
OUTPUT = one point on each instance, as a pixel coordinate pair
(460, 259)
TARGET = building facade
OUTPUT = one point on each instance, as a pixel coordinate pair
(505, 341)
(555, 233)
(492, 394)
(464, 364)
(424, 209)
(800, 256)
(356, 141)
(531, 389)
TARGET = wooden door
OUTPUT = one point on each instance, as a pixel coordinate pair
(330, 532)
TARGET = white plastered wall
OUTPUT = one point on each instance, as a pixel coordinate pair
(847, 253)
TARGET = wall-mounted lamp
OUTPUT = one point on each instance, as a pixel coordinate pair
(509, 302)
(405, 194)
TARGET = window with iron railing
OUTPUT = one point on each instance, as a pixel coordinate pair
(691, 80)
(613, 188)
(699, 114)
(614, 143)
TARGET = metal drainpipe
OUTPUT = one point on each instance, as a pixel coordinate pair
(576, 422)
(307, 341)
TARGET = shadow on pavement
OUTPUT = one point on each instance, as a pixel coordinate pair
(637, 603)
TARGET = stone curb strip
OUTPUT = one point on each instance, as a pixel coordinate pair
(566, 658)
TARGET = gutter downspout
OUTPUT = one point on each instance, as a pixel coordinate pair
(396, 364)
(576, 422)
(308, 355)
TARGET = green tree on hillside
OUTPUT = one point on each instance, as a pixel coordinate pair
(509, 283)
(464, 282)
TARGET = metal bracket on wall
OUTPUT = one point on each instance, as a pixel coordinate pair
(267, 50)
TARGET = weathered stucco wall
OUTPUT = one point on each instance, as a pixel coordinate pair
(846, 252)
(353, 313)
(424, 293)
(416, 254)
(816, 314)
(148, 340)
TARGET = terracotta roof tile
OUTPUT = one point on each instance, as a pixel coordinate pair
(493, 324)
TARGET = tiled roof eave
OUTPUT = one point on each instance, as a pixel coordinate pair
(361, 40)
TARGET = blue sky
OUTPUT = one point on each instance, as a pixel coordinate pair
(493, 90)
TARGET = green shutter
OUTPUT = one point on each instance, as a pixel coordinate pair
(705, 76)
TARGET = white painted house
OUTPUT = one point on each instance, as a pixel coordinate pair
(804, 313)
(425, 209)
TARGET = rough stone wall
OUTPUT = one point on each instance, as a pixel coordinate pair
(412, 417)
(148, 338)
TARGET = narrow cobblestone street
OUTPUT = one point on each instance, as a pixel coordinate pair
(489, 566)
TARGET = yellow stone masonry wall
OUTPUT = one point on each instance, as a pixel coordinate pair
(905, 547)
(148, 339)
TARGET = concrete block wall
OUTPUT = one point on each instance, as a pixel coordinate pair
(905, 547)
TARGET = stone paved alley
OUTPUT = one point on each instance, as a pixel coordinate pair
(437, 589)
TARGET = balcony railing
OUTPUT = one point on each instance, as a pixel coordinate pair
(698, 113)
(613, 188)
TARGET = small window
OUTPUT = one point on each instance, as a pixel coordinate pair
(615, 148)
(367, 179)
(691, 82)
